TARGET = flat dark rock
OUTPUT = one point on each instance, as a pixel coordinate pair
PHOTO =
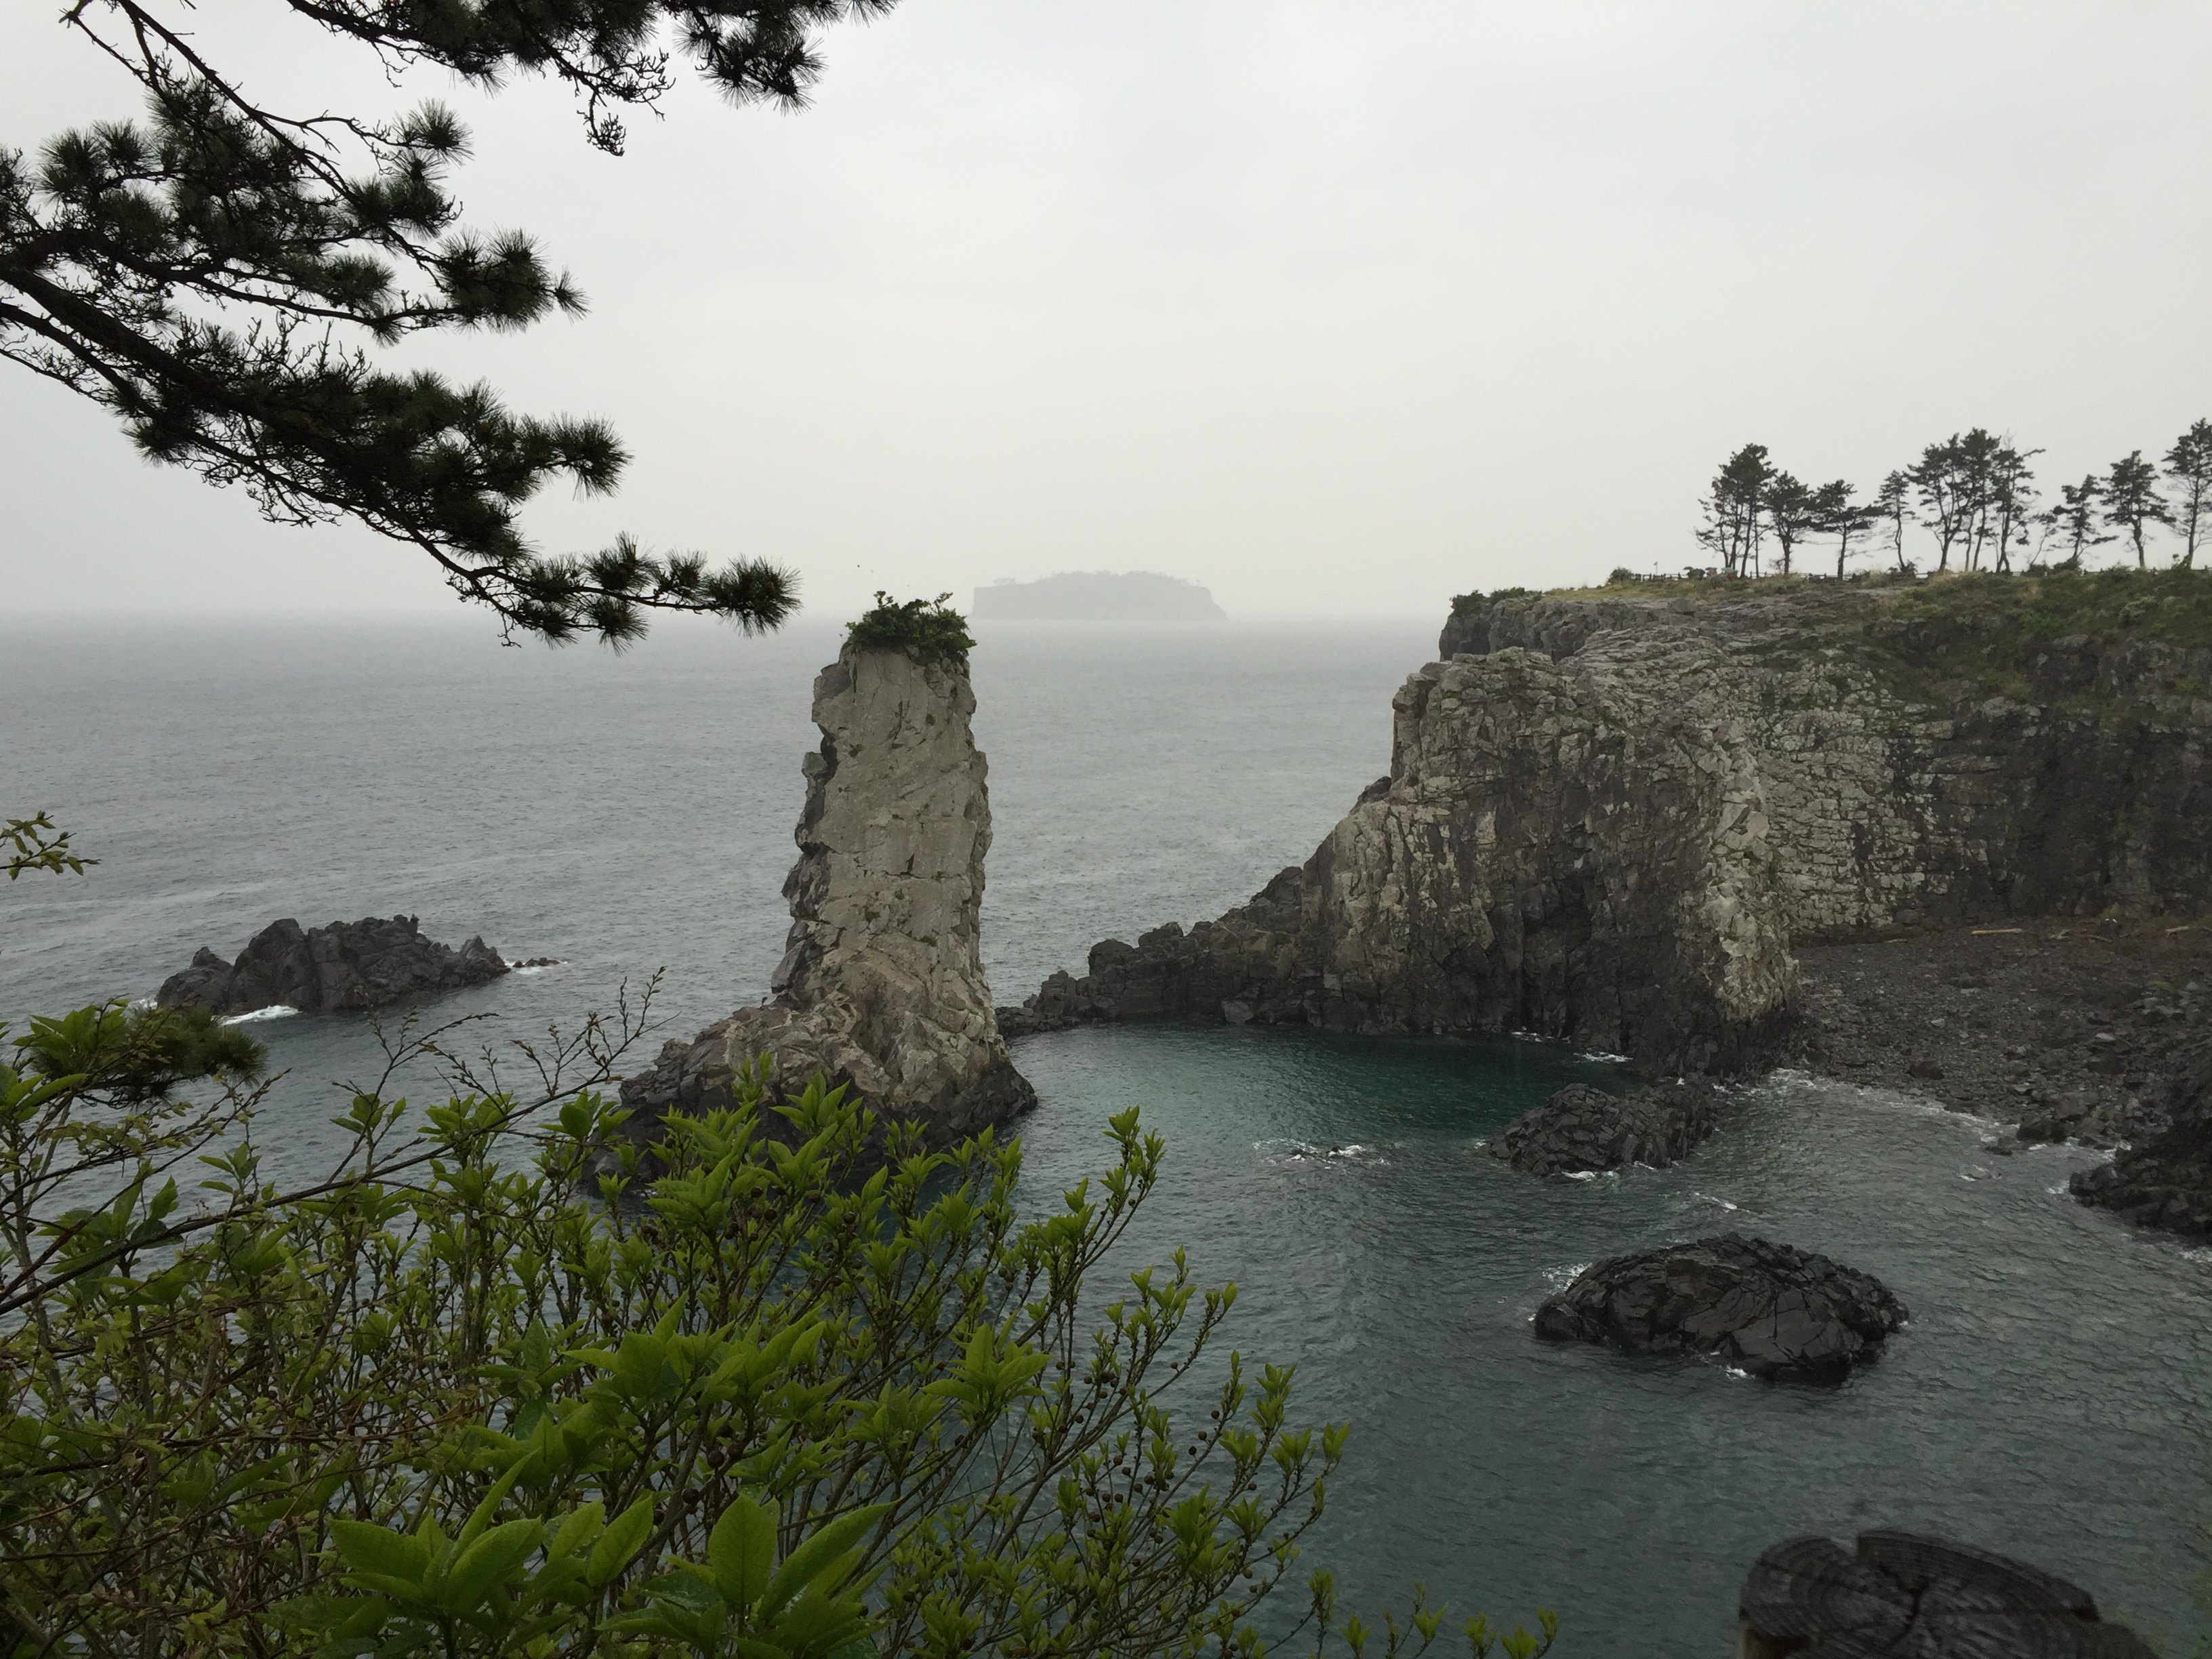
(348, 965)
(1583, 1128)
(1772, 1309)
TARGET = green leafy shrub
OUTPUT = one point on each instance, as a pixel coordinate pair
(929, 630)
(494, 1390)
(787, 1387)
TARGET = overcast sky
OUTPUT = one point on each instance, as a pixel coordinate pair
(1338, 310)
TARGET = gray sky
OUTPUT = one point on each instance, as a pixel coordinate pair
(1336, 309)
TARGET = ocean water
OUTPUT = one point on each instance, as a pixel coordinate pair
(2051, 1397)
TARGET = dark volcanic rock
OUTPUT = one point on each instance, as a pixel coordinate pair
(1901, 1593)
(1581, 1128)
(1774, 1310)
(2167, 1182)
(319, 970)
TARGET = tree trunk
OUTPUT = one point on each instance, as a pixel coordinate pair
(1903, 1594)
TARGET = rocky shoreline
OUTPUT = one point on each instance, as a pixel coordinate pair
(2059, 1028)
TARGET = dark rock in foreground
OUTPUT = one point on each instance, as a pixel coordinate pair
(2167, 1181)
(349, 965)
(1903, 1594)
(1774, 1310)
(1582, 1128)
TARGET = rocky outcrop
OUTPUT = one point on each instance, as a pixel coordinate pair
(1608, 819)
(1903, 1595)
(2166, 1182)
(881, 987)
(346, 966)
(1581, 1129)
(1767, 1308)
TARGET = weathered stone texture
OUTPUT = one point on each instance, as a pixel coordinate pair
(1608, 819)
(881, 985)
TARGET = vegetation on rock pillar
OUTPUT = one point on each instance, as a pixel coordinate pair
(213, 272)
(928, 629)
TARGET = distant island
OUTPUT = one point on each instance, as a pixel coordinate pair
(1097, 596)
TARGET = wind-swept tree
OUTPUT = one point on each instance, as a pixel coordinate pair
(2189, 465)
(1791, 513)
(2072, 519)
(2008, 500)
(215, 274)
(1946, 495)
(1893, 506)
(2132, 502)
(1835, 513)
(1734, 509)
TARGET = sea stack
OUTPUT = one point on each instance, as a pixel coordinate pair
(881, 987)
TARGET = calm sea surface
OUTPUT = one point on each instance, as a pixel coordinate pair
(2051, 1396)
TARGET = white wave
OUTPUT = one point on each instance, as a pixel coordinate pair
(274, 1011)
(1604, 1059)
(2202, 1256)
(1592, 1174)
(1736, 1371)
(541, 968)
(142, 1002)
(1559, 1278)
(1709, 1199)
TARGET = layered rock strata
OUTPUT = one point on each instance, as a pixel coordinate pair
(1581, 1129)
(881, 985)
(1771, 1309)
(1607, 820)
(346, 966)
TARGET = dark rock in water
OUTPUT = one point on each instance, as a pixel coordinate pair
(2167, 1181)
(1581, 1129)
(1772, 1309)
(318, 970)
(1901, 1593)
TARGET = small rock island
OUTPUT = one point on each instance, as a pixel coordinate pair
(1098, 596)
(345, 966)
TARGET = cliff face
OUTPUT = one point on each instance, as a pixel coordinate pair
(881, 985)
(1606, 819)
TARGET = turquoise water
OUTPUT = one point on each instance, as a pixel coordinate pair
(2051, 1396)
(2048, 1398)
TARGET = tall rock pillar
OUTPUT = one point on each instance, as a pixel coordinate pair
(881, 987)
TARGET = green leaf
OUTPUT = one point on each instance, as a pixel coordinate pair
(818, 1552)
(624, 1536)
(489, 1562)
(367, 1547)
(741, 1551)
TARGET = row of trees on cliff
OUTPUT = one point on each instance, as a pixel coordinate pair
(1974, 493)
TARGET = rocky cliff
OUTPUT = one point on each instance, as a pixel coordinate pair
(1607, 816)
(881, 985)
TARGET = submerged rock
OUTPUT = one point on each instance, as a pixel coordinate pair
(1772, 1309)
(348, 965)
(1584, 1129)
(881, 987)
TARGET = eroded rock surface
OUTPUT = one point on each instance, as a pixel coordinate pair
(1609, 820)
(1582, 1128)
(881, 987)
(1771, 1309)
(348, 965)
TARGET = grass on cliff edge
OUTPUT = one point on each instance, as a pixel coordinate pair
(2172, 606)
